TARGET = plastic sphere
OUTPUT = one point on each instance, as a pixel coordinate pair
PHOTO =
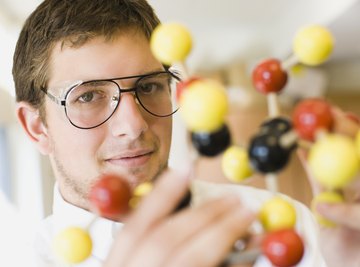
(266, 154)
(277, 213)
(211, 144)
(333, 161)
(284, 248)
(139, 192)
(110, 196)
(143, 189)
(73, 245)
(357, 143)
(311, 115)
(235, 164)
(182, 85)
(269, 76)
(171, 43)
(325, 197)
(203, 106)
(313, 45)
(277, 126)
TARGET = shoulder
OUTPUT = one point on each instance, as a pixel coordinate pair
(43, 243)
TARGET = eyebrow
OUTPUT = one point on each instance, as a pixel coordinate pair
(128, 77)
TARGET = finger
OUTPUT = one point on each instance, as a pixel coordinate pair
(255, 241)
(166, 194)
(315, 187)
(352, 191)
(345, 214)
(167, 237)
(213, 244)
(344, 123)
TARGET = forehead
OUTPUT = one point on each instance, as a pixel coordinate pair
(125, 55)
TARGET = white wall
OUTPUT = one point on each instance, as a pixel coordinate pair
(24, 166)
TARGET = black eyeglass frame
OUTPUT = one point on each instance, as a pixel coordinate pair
(62, 102)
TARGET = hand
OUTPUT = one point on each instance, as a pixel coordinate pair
(155, 236)
(341, 244)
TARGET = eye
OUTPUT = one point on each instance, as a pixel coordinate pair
(90, 96)
(90, 93)
(87, 97)
(148, 88)
(155, 84)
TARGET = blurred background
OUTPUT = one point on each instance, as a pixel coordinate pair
(230, 38)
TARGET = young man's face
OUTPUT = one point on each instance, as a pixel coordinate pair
(132, 142)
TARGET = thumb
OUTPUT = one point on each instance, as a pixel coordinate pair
(345, 214)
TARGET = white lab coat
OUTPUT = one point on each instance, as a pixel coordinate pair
(15, 238)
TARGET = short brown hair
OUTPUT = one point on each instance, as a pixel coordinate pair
(72, 22)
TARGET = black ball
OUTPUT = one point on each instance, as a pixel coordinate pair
(277, 126)
(211, 144)
(266, 154)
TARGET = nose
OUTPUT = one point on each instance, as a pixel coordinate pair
(128, 119)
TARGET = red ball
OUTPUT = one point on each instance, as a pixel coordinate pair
(110, 196)
(311, 115)
(284, 248)
(182, 85)
(269, 76)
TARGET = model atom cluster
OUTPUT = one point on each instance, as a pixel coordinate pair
(333, 158)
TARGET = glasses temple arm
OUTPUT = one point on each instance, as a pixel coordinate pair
(53, 98)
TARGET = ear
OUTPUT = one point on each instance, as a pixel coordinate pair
(34, 127)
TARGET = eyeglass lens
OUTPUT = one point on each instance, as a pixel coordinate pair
(92, 103)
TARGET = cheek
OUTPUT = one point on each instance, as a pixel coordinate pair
(71, 143)
(64, 133)
(163, 130)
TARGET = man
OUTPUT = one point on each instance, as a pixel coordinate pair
(87, 89)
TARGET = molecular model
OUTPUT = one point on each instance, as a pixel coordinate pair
(333, 158)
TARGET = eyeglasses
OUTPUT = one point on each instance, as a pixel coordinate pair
(88, 104)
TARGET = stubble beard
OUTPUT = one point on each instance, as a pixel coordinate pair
(75, 190)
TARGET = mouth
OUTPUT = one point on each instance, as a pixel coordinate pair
(131, 159)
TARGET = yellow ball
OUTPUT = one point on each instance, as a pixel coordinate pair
(235, 164)
(313, 45)
(333, 161)
(203, 106)
(276, 214)
(143, 189)
(357, 143)
(73, 245)
(325, 197)
(170, 43)
(140, 191)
